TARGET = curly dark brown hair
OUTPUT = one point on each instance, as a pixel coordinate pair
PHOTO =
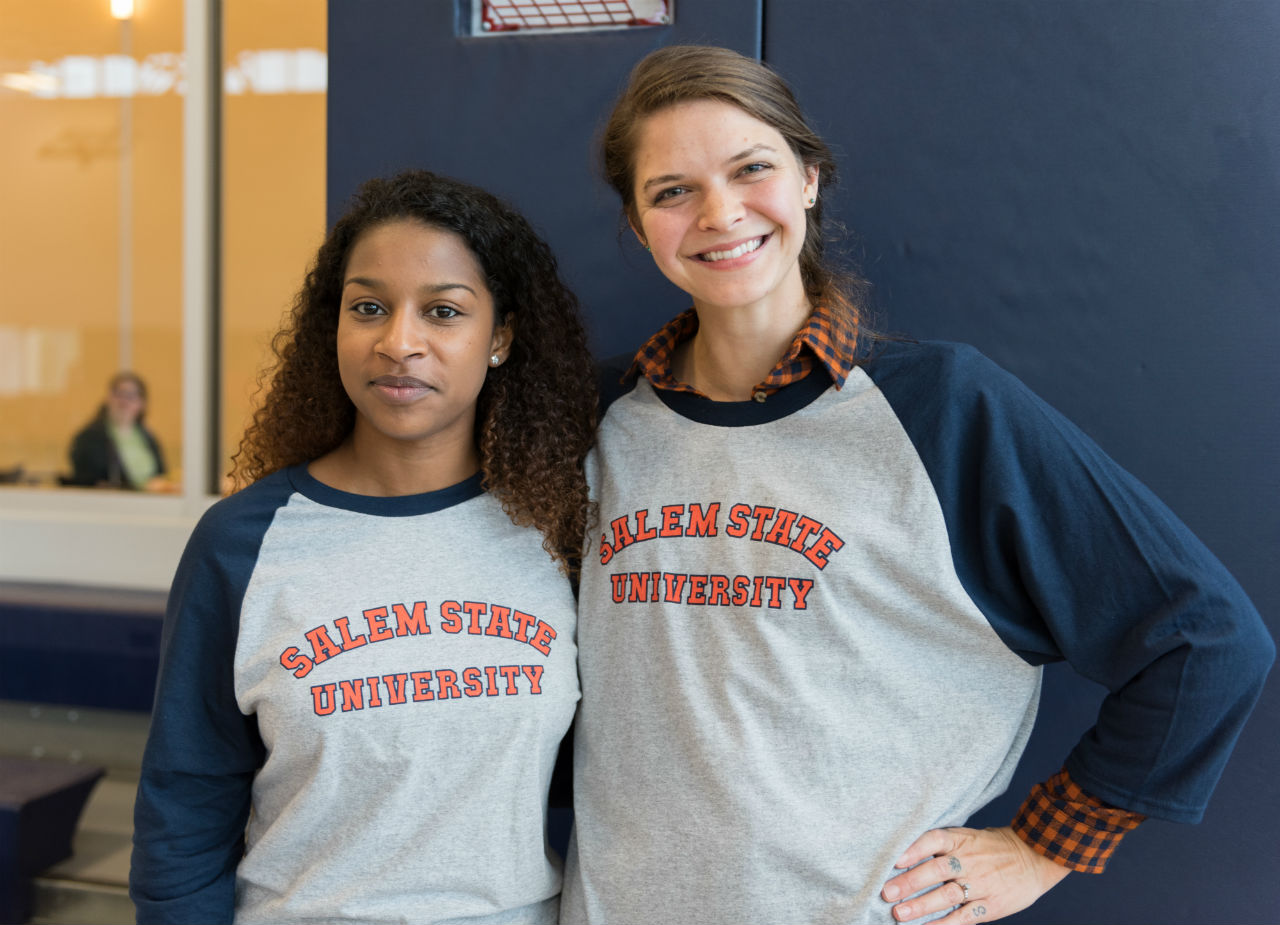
(535, 415)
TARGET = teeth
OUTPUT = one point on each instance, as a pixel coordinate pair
(744, 248)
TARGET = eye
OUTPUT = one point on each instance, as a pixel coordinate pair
(442, 312)
(366, 308)
(671, 192)
(756, 168)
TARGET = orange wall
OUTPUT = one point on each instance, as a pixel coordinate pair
(273, 217)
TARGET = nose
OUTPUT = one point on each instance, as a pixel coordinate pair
(721, 209)
(403, 336)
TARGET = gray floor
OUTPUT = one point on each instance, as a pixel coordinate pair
(90, 887)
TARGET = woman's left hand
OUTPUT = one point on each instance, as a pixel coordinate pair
(986, 873)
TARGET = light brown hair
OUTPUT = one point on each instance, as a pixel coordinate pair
(685, 73)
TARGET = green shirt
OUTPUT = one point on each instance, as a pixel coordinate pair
(140, 464)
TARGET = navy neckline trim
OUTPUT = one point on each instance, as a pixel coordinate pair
(780, 404)
(397, 506)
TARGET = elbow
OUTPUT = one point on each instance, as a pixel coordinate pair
(1255, 648)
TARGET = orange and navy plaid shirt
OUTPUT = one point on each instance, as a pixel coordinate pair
(1058, 819)
(826, 338)
(1067, 825)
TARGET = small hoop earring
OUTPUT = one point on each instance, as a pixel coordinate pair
(495, 360)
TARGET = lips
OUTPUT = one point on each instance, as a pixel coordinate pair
(401, 382)
(400, 388)
(741, 249)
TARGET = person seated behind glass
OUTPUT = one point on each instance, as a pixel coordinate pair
(115, 449)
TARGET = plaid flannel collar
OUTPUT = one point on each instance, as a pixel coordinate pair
(825, 338)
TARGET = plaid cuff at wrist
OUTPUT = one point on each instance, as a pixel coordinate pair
(1067, 825)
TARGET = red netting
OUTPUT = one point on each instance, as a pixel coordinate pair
(508, 15)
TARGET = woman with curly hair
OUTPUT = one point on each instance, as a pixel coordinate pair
(369, 651)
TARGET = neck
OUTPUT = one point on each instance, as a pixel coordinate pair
(735, 349)
(363, 466)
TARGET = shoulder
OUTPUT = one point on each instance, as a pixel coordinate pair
(615, 378)
(222, 552)
(935, 382)
(95, 430)
(248, 511)
(904, 363)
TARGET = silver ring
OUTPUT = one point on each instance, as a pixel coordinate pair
(965, 887)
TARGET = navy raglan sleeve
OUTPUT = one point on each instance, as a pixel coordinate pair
(614, 378)
(1072, 558)
(202, 752)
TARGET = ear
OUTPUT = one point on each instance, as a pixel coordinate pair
(500, 343)
(631, 222)
(811, 182)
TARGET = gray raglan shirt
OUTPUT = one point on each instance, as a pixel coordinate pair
(812, 628)
(384, 682)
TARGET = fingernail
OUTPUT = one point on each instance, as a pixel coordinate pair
(902, 912)
(891, 892)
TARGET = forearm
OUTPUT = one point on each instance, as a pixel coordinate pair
(188, 840)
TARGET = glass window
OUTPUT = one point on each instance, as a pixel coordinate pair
(113, 113)
(90, 181)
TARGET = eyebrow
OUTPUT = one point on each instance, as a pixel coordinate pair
(371, 283)
(741, 155)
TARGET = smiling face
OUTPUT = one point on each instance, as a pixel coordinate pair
(416, 331)
(720, 200)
